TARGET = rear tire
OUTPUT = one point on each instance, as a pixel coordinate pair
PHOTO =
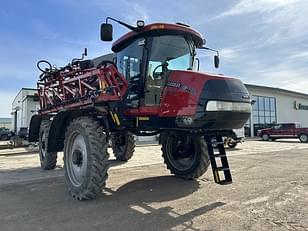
(303, 138)
(231, 142)
(185, 156)
(85, 158)
(48, 159)
(123, 145)
(265, 137)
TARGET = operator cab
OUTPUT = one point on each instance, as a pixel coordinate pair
(146, 59)
(147, 62)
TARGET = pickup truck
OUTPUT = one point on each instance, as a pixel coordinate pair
(285, 130)
(236, 136)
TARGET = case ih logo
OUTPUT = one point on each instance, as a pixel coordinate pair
(182, 87)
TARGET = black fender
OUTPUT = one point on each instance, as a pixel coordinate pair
(58, 128)
(59, 125)
(34, 129)
(57, 131)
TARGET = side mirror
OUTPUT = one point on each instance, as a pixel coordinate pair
(106, 32)
(216, 61)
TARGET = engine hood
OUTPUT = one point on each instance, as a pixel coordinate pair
(192, 98)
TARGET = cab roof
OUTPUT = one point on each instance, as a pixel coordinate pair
(157, 29)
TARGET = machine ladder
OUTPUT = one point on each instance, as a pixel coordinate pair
(217, 152)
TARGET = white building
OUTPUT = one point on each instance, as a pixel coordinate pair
(275, 105)
(25, 104)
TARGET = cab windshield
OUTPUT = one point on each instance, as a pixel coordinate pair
(172, 51)
(166, 53)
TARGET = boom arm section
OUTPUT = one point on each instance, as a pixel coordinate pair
(75, 87)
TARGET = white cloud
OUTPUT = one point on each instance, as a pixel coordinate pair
(130, 11)
(138, 12)
(281, 76)
(301, 54)
(252, 6)
(229, 53)
(273, 20)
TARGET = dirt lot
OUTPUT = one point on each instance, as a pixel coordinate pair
(270, 192)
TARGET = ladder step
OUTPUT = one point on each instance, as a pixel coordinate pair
(222, 169)
(219, 155)
(224, 182)
(216, 142)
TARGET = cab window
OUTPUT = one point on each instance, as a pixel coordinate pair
(130, 58)
(277, 126)
(129, 64)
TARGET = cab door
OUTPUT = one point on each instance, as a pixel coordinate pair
(130, 65)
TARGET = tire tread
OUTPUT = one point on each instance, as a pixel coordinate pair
(129, 150)
(99, 158)
(202, 165)
(49, 162)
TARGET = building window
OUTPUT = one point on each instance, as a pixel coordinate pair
(247, 128)
(264, 112)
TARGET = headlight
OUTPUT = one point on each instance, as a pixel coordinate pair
(214, 105)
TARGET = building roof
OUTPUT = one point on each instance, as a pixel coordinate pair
(28, 89)
(24, 89)
(277, 89)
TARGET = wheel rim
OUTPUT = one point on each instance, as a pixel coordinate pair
(76, 159)
(231, 142)
(265, 137)
(181, 152)
(303, 138)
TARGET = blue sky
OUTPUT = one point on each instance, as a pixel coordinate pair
(262, 42)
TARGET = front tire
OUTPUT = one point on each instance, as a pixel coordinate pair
(303, 138)
(48, 159)
(85, 158)
(123, 145)
(185, 156)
